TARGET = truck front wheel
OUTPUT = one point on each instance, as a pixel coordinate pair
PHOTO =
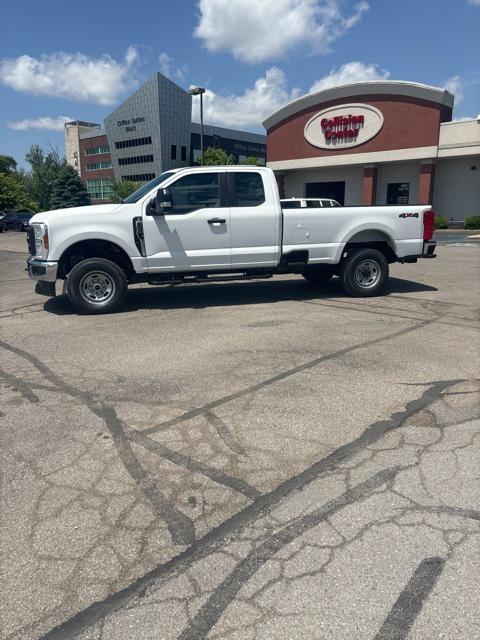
(96, 285)
(364, 273)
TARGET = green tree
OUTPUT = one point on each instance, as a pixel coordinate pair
(68, 190)
(121, 189)
(44, 171)
(8, 164)
(216, 156)
(250, 160)
(13, 194)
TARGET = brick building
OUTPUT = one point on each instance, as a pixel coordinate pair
(377, 143)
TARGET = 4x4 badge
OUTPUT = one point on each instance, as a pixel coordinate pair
(408, 215)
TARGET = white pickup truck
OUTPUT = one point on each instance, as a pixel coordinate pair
(200, 224)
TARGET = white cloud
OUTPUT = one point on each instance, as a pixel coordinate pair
(267, 94)
(455, 86)
(259, 30)
(270, 92)
(53, 124)
(351, 72)
(475, 2)
(170, 69)
(75, 76)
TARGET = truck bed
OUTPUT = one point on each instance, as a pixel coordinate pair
(325, 231)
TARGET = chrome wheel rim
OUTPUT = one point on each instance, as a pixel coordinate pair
(97, 287)
(367, 273)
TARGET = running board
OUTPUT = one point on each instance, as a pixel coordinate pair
(201, 279)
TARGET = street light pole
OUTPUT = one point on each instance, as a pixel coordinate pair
(201, 129)
(199, 91)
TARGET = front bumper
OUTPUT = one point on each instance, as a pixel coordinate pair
(42, 269)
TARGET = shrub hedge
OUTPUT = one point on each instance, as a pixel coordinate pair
(472, 222)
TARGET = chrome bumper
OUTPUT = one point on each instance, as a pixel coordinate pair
(42, 270)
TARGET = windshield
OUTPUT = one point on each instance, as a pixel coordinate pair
(139, 193)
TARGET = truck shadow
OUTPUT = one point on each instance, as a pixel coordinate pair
(200, 296)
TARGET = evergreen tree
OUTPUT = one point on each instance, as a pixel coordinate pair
(68, 190)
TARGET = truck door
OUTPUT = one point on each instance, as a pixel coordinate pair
(195, 235)
(255, 220)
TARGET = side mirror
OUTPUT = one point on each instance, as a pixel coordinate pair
(160, 204)
(163, 202)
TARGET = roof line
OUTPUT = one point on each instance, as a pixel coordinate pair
(371, 87)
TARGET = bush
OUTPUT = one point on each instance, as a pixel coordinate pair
(441, 222)
(472, 222)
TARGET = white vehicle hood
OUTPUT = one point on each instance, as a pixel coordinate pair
(58, 215)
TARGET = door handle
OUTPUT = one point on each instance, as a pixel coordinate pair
(216, 221)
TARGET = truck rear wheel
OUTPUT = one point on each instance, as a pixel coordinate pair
(318, 273)
(96, 286)
(364, 273)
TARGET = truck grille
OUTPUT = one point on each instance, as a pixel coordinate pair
(31, 241)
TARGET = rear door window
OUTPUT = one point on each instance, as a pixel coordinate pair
(246, 189)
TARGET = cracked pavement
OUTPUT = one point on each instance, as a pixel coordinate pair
(243, 461)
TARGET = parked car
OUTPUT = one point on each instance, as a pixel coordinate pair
(3, 224)
(308, 203)
(17, 220)
(210, 224)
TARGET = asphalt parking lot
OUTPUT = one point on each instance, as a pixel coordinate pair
(243, 461)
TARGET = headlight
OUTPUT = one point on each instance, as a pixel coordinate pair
(41, 240)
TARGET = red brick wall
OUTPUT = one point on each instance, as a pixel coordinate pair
(89, 143)
(408, 122)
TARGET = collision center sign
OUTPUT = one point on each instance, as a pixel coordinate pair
(343, 127)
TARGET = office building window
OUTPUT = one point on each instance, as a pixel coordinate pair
(135, 160)
(94, 166)
(93, 151)
(134, 142)
(173, 151)
(184, 154)
(139, 177)
(100, 189)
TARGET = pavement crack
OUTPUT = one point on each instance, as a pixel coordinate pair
(192, 413)
(206, 618)
(250, 514)
(224, 433)
(19, 385)
(180, 526)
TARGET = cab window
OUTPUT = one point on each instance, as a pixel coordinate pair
(248, 189)
(195, 191)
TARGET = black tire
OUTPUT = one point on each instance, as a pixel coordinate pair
(97, 286)
(318, 274)
(20, 226)
(364, 273)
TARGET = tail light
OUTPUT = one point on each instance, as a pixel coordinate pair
(428, 225)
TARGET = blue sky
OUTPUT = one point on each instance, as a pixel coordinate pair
(80, 61)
